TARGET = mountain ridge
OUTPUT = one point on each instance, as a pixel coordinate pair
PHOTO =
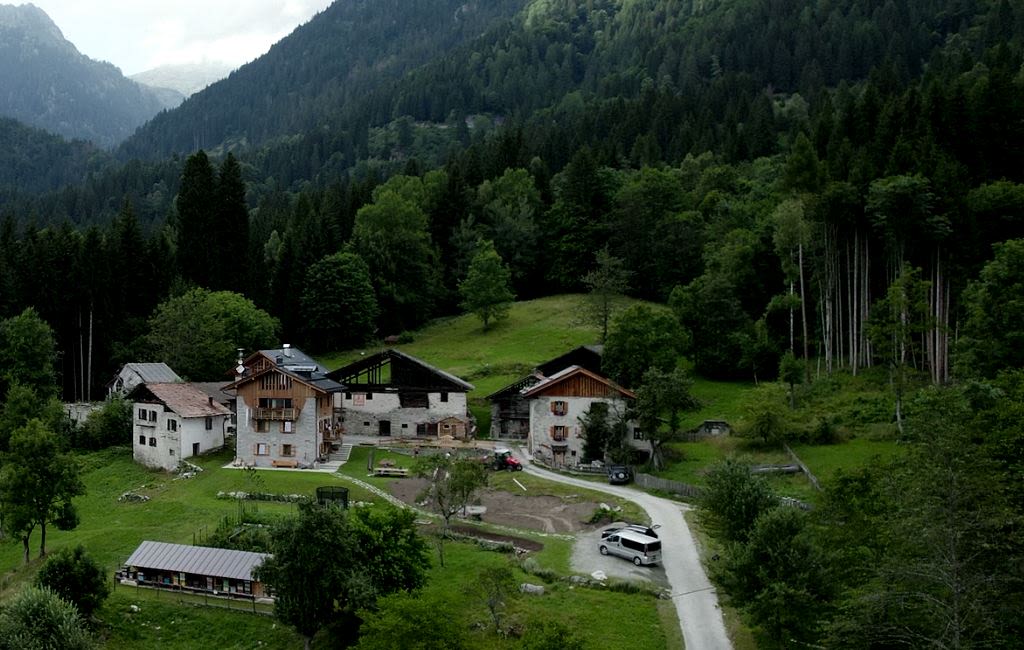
(47, 83)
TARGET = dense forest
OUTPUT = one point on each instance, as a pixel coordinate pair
(740, 175)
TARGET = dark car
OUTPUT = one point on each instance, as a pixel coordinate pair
(619, 474)
(636, 528)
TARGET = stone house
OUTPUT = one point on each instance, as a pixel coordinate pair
(392, 393)
(285, 410)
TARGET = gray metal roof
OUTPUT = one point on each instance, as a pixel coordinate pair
(198, 560)
(293, 357)
(154, 373)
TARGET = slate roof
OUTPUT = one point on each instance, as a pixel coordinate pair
(198, 560)
(292, 358)
(186, 400)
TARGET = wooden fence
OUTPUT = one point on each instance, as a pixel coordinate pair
(665, 485)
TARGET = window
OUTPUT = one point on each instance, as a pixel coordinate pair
(152, 442)
(638, 433)
(287, 427)
(152, 416)
(287, 450)
(559, 432)
(369, 396)
(405, 426)
(172, 425)
(444, 397)
(348, 395)
(366, 424)
(262, 426)
(142, 440)
(142, 414)
(558, 407)
(209, 424)
(170, 451)
(261, 449)
(421, 429)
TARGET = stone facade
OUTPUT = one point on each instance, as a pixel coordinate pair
(556, 433)
(283, 440)
(381, 413)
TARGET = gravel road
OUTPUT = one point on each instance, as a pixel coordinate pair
(693, 594)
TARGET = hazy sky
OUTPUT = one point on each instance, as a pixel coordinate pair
(136, 35)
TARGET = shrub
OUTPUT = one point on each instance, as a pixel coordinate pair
(74, 576)
(734, 498)
(39, 619)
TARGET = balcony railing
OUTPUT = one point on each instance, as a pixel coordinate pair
(275, 414)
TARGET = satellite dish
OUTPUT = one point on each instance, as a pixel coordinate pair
(240, 369)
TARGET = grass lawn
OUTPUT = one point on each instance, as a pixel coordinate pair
(166, 622)
(179, 510)
(825, 460)
(602, 618)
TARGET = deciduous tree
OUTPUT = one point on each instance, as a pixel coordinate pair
(486, 291)
(339, 307)
(39, 619)
(642, 337)
(76, 577)
(37, 484)
(453, 484)
(660, 401)
(213, 324)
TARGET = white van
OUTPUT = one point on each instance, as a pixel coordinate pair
(634, 546)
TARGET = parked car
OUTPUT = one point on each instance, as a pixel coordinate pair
(619, 474)
(636, 547)
(650, 531)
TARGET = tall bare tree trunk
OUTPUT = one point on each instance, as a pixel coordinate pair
(88, 378)
(803, 311)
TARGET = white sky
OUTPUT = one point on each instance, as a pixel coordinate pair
(137, 35)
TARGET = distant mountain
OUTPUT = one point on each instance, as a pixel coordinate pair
(349, 50)
(185, 78)
(46, 82)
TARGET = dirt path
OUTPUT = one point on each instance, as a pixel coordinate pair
(547, 514)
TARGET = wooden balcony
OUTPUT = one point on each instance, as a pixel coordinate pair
(276, 414)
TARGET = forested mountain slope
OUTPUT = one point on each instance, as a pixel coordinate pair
(47, 83)
(351, 48)
(33, 161)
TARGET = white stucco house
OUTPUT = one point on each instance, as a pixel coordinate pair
(174, 421)
(392, 393)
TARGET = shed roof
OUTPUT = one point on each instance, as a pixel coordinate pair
(186, 400)
(198, 560)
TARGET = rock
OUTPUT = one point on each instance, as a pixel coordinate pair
(527, 588)
(134, 608)
(599, 575)
(579, 580)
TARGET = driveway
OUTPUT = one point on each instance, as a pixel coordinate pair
(693, 594)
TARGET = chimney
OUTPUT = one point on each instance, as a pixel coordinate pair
(211, 400)
(287, 349)
(280, 360)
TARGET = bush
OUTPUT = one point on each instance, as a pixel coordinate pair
(734, 498)
(110, 425)
(74, 576)
(38, 619)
